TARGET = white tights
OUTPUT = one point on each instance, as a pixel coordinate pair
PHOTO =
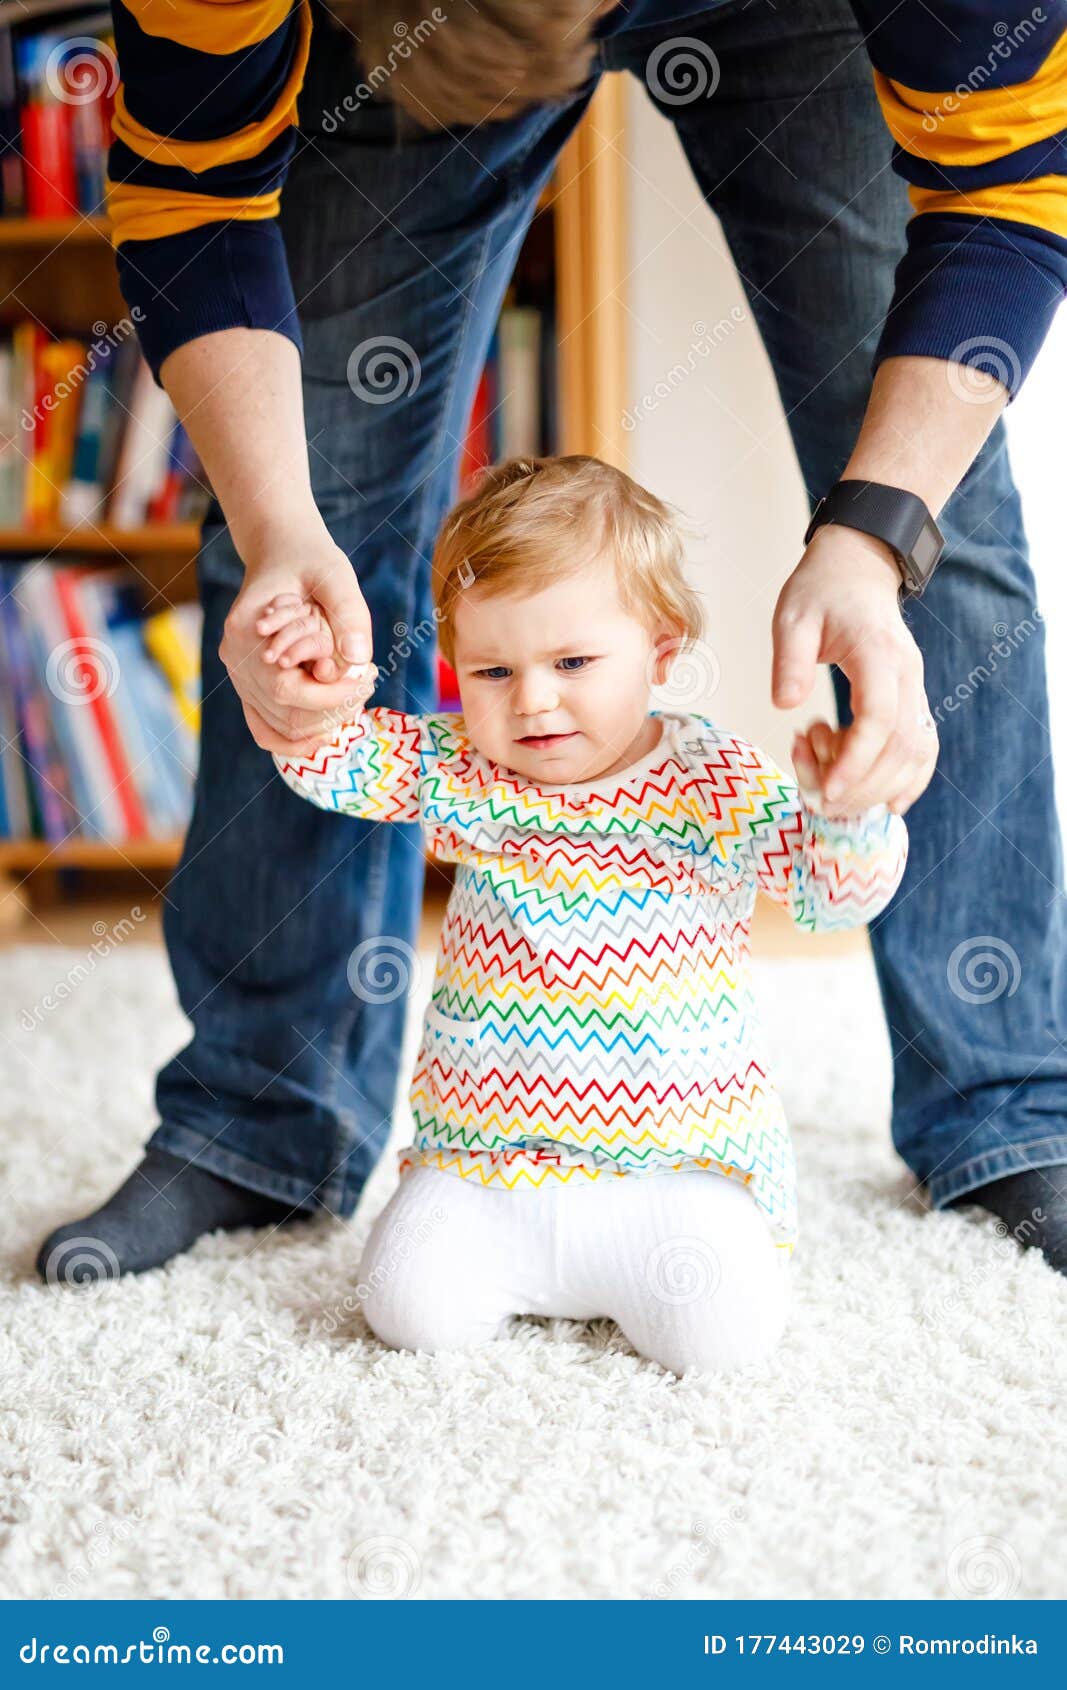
(685, 1263)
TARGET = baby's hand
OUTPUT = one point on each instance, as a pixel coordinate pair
(813, 752)
(296, 631)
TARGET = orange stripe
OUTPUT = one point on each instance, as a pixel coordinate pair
(147, 214)
(1041, 203)
(245, 143)
(211, 26)
(965, 127)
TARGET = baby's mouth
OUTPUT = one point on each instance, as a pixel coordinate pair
(542, 742)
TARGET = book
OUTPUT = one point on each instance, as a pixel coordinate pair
(520, 382)
(88, 437)
(169, 638)
(57, 95)
(55, 814)
(95, 743)
(143, 451)
(88, 641)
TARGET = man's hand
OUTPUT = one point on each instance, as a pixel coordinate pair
(841, 605)
(921, 431)
(287, 710)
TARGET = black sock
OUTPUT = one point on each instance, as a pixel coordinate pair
(1033, 1206)
(165, 1206)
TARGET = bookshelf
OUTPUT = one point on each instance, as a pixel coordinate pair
(61, 271)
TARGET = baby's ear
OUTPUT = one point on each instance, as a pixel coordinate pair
(666, 646)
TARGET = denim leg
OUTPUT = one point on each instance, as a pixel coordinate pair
(793, 155)
(290, 931)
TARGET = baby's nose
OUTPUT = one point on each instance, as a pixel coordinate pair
(536, 696)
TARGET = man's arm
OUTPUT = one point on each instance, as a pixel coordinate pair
(239, 394)
(972, 93)
(204, 131)
(976, 107)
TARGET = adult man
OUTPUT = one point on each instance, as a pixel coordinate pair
(282, 1101)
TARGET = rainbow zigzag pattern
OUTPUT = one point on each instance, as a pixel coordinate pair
(592, 1010)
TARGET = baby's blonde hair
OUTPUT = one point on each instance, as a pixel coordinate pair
(531, 521)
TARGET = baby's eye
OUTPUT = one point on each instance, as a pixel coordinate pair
(498, 672)
(572, 663)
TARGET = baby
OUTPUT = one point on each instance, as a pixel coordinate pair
(596, 1132)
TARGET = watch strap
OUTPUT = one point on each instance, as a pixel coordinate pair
(891, 514)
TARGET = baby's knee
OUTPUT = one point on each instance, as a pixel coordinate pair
(716, 1324)
(415, 1292)
(706, 1342)
(726, 1345)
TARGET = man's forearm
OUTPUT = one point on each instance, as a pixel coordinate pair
(924, 426)
(239, 395)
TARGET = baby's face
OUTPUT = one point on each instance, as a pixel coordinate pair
(555, 684)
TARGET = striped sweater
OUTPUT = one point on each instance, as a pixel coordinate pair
(972, 91)
(592, 1011)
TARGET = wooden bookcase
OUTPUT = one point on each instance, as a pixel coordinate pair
(63, 273)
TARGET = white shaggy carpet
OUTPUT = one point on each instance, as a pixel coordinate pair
(201, 1431)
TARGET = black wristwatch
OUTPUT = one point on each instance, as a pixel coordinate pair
(889, 513)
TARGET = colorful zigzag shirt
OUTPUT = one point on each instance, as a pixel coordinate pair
(593, 1011)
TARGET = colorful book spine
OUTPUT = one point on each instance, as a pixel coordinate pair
(179, 661)
(84, 494)
(72, 727)
(47, 121)
(91, 647)
(49, 781)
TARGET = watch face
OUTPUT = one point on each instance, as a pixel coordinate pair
(925, 551)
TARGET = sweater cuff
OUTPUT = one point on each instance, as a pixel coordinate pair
(217, 276)
(866, 830)
(983, 297)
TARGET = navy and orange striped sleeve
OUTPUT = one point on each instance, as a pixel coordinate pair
(203, 133)
(974, 93)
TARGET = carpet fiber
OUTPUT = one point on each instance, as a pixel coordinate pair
(227, 1427)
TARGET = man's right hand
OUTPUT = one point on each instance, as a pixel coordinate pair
(285, 708)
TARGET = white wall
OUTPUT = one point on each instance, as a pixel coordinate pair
(715, 443)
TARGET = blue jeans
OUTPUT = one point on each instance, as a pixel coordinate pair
(288, 1083)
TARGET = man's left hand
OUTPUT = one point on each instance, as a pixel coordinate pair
(841, 605)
